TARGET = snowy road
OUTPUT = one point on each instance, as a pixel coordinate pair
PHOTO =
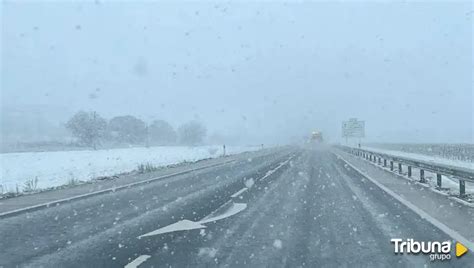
(290, 207)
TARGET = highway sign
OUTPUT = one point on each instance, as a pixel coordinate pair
(353, 128)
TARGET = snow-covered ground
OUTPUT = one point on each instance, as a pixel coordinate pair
(59, 168)
(426, 158)
(447, 182)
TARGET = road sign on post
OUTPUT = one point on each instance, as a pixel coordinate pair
(353, 128)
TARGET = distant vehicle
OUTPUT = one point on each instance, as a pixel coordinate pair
(317, 136)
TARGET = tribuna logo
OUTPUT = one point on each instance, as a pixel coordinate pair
(437, 250)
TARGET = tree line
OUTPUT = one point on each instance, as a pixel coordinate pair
(91, 129)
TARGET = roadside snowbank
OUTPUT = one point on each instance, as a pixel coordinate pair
(447, 182)
(426, 158)
(58, 168)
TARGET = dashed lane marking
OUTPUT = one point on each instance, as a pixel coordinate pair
(239, 192)
(135, 263)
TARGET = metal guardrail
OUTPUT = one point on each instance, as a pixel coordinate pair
(459, 173)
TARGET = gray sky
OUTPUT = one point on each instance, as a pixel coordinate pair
(269, 71)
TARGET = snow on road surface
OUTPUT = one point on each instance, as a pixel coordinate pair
(315, 212)
(58, 168)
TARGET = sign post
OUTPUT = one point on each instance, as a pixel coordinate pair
(353, 128)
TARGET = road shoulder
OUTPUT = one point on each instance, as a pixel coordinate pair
(455, 216)
(30, 202)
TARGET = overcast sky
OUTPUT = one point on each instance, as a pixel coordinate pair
(269, 71)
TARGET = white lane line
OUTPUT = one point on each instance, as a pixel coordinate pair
(270, 172)
(141, 259)
(454, 234)
(239, 192)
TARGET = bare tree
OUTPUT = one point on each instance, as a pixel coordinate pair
(128, 129)
(162, 133)
(87, 127)
(192, 133)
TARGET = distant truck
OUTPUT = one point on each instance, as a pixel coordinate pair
(317, 136)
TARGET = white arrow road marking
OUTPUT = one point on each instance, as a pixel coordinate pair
(182, 225)
(185, 225)
(141, 259)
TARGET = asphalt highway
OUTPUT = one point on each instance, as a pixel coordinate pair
(289, 207)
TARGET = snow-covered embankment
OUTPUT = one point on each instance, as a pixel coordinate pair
(59, 168)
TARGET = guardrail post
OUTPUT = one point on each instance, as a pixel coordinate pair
(438, 180)
(462, 188)
(439, 170)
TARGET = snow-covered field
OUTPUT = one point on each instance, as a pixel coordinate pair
(426, 158)
(59, 168)
(455, 151)
(451, 183)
